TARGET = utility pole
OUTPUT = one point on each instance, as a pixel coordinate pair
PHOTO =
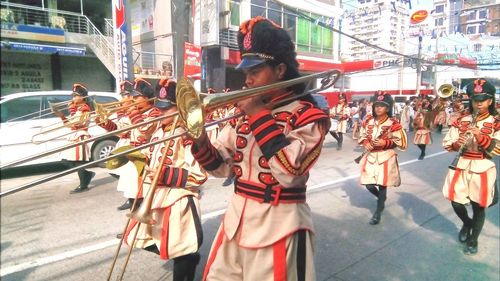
(180, 29)
(419, 64)
(436, 68)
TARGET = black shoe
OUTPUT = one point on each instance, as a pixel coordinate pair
(464, 233)
(375, 219)
(421, 157)
(228, 181)
(339, 147)
(79, 189)
(126, 206)
(470, 248)
(119, 235)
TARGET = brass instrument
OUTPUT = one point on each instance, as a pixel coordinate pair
(70, 122)
(104, 110)
(192, 108)
(461, 150)
(445, 91)
(50, 111)
(190, 111)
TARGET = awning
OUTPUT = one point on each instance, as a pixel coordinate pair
(43, 48)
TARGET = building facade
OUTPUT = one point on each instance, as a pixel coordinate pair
(379, 22)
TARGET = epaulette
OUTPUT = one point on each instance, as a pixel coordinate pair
(497, 123)
(368, 118)
(307, 114)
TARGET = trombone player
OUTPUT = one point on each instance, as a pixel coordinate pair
(143, 110)
(177, 234)
(123, 173)
(78, 121)
(471, 177)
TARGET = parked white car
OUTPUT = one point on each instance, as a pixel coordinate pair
(25, 114)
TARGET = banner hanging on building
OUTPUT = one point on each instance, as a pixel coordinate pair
(192, 60)
(122, 42)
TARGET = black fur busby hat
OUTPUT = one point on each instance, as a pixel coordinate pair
(142, 88)
(260, 40)
(480, 90)
(126, 87)
(165, 93)
(385, 99)
(80, 90)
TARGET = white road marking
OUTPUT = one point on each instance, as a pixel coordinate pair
(96, 247)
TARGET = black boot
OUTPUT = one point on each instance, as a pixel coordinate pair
(85, 178)
(471, 247)
(127, 205)
(380, 205)
(185, 267)
(422, 151)
(340, 141)
(464, 233)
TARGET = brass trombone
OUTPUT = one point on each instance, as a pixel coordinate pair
(102, 111)
(62, 103)
(445, 91)
(191, 110)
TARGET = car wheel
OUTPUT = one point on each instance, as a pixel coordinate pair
(102, 150)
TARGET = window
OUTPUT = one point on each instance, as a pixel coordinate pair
(258, 8)
(439, 22)
(483, 14)
(274, 12)
(477, 47)
(482, 28)
(472, 15)
(439, 9)
(234, 7)
(303, 34)
(289, 25)
(471, 30)
(21, 109)
(327, 43)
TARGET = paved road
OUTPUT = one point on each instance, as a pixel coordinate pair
(48, 234)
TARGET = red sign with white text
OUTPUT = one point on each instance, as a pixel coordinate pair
(192, 60)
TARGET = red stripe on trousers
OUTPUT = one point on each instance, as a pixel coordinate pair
(164, 234)
(210, 261)
(451, 188)
(133, 223)
(483, 195)
(279, 259)
(77, 150)
(386, 172)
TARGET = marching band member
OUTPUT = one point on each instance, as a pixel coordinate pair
(271, 151)
(422, 137)
(178, 234)
(340, 112)
(78, 121)
(143, 110)
(380, 135)
(406, 116)
(122, 120)
(440, 109)
(476, 136)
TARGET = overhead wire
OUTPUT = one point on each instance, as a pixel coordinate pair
(297, 13)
